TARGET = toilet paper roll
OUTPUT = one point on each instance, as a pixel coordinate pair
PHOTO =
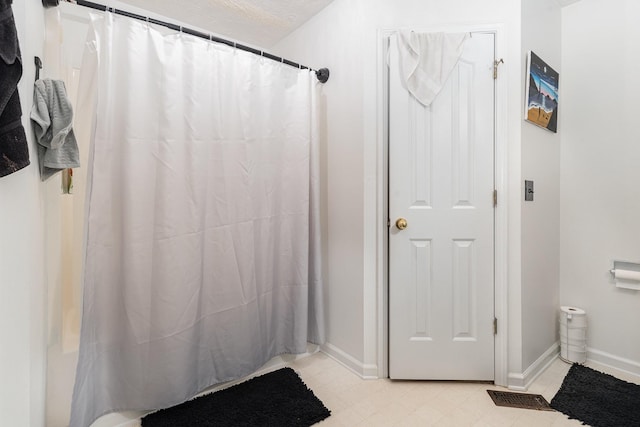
(626, 274)
(572, 317)
(572, 310)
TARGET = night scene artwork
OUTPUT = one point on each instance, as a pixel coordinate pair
(542, 93)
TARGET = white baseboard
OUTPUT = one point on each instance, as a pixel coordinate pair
(611, 361)
(364, 371)
(522, 381)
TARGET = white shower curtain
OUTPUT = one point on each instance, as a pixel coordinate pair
(202, 253)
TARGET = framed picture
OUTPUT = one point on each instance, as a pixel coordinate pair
(541, 93)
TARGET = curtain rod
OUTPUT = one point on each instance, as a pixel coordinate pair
(322, 74)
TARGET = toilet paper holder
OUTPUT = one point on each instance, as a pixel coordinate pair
(626, 274)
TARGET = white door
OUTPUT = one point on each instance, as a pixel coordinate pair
(441, 181)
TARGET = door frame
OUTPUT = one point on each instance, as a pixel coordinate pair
(500, 213)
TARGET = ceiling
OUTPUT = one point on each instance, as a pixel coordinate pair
(258, 22)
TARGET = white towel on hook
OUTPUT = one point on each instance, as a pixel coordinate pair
(427, 60)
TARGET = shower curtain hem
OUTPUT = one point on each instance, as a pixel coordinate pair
(194, 395)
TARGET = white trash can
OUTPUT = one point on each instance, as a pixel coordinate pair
(573, 334)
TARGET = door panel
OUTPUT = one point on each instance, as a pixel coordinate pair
(441, 180)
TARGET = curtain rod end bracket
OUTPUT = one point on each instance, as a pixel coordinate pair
(323, 75)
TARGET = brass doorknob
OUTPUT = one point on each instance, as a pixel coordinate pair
(401, 223)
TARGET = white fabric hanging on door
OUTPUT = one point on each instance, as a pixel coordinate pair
(202, 258)
(427, 60)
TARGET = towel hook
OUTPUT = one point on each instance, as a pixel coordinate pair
(38, 63)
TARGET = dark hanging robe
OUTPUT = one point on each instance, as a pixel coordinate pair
(14, 152)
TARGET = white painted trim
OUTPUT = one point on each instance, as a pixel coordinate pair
(364, 371)
(501, 184)
(609, 360)
(382, 228)
(521, 382)
(501, 243)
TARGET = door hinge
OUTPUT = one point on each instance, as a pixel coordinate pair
(495, 67)
(495, 198)
(495, 326)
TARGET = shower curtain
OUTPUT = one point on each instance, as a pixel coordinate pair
(202, 248)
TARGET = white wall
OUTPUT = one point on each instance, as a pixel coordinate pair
(22, 277)
(338, 47)
(541, 33)
(344, 37)
(600, 173)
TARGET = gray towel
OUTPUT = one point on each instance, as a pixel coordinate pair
(14, 151)
(52, 118)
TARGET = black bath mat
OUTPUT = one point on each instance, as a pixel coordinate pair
(598, 399)
(278, 398)
(519, 400)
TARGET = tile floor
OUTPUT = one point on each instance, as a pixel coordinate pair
(356, 402)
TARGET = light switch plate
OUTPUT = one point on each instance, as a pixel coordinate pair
(528, 191)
